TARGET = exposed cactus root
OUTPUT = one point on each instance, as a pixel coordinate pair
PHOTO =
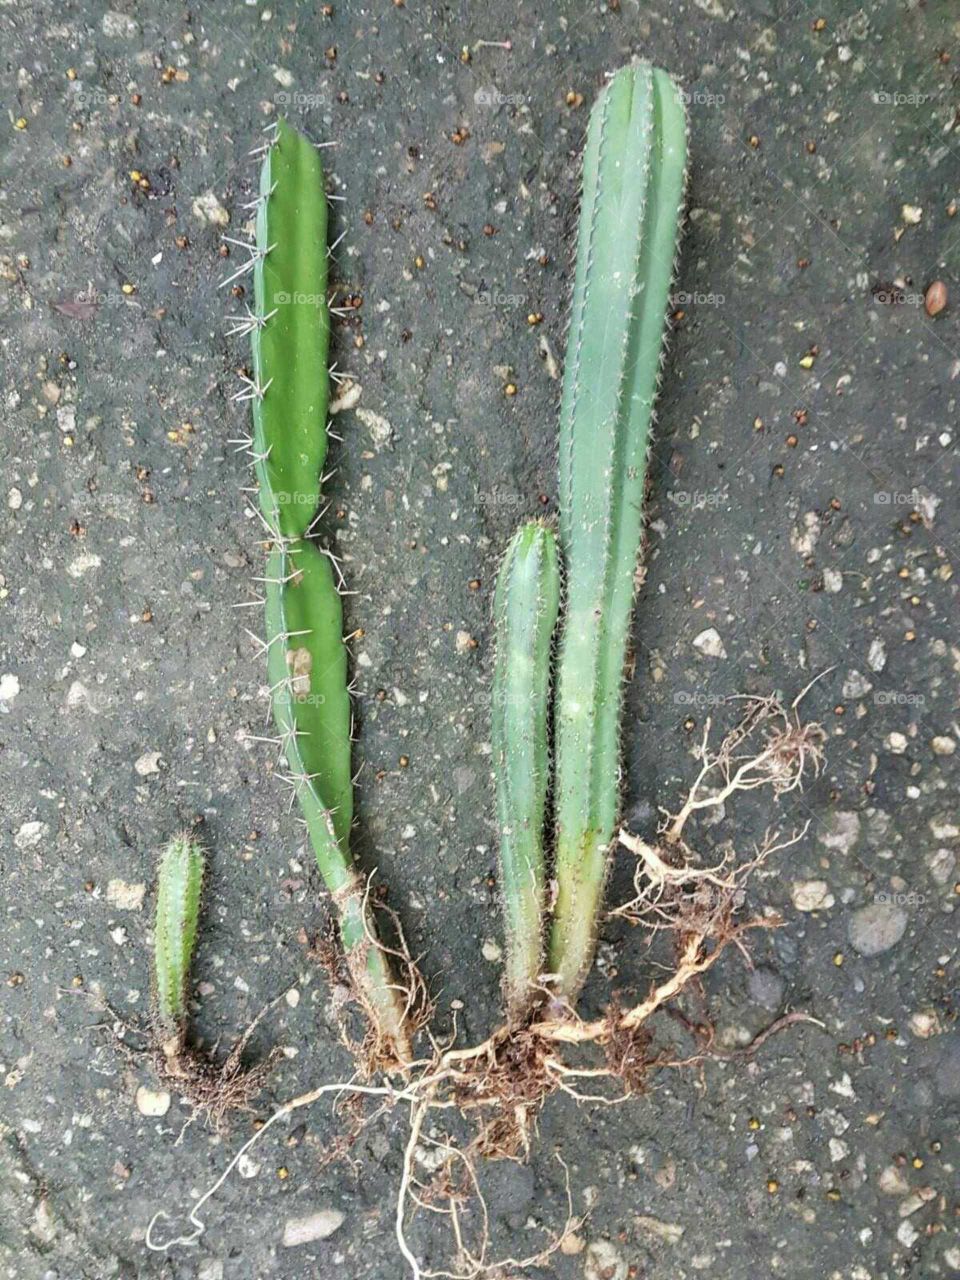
(214, 1090)
(499, 1086)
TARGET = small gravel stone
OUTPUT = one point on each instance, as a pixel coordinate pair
(892, 1181)
(209, 209)
(766, 987)
(603, 1262)
(9, 687)
(897, 743)
(877, 655)
(877, 928)
(148, 763)
(126, 897)
(812, 895)
(856, 686)
(314, 1226)
(152, 1102)
(709, 644)
(943, 746)
(840, 831)
(832, 581)
(941, 864)
(30, 835)
(119, 26)
(491, 951)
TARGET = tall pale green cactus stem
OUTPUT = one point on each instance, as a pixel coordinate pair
(633, 182)
(525, 607)
(179, 886)
(306, 655)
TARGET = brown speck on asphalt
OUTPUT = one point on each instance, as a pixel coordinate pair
(935, 299)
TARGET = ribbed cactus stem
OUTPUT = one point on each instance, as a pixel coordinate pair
(633, 180)
(179, 886)
(306, 656)
(526, 603)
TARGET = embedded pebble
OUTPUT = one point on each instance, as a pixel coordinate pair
(603, 1262)
(490, 951)
(766, 987)
(877, 928)
(856, 685)
(30, 835)
(943, 746)
(9, 687)
(209, 209)
(925, 1023)
(897, 743)
(119, 26)
(940, 864)
(877, 655)
(152, 1102)
(840, 831)
(804, 538)
(812, 895)
(148, 763)
(709, 644)
(832, 581)
(892, 1181)
(126, 897)
(314, 1226)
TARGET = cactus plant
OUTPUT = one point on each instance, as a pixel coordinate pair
(633, 181)
(306, 656)
(526, 602)
(179, 885)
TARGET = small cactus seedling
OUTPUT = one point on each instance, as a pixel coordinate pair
(179, 886)
(525, 607)
(306, 655)
(633, 180)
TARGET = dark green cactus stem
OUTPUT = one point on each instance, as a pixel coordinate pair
(179, 886)
(633, 181)
(306, 656)
(526, 603)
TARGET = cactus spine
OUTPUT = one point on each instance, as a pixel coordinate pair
(306, 656)
(633, 180)
(179, 885)
(526, 603)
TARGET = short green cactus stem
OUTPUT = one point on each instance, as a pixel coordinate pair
(525, 607)
(633, 181)
(179, 886)
(306, 656)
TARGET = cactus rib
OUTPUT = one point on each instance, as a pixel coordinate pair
(526, 603)
(306, 656)
(179, 885)
(633, 182)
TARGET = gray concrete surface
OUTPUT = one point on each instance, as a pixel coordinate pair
(128, 682)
